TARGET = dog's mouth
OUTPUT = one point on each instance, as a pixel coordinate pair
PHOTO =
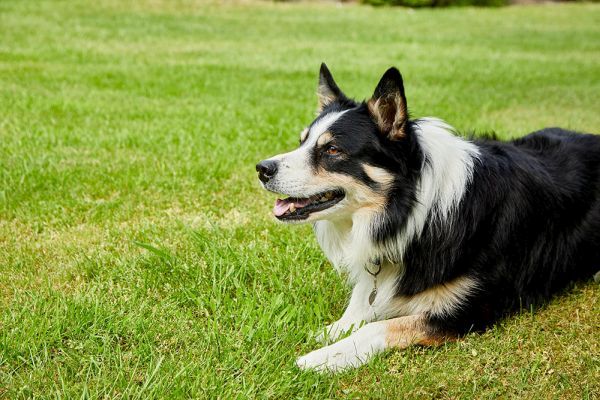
(298, 208)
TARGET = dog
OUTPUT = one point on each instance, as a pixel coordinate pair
(439, 235)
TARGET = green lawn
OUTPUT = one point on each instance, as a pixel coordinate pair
(138, 258)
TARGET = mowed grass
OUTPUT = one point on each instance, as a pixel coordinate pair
(138, 258)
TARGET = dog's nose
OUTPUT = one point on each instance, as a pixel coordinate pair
(266, 170)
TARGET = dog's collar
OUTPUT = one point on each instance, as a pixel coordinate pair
(376, 262)
(379, 260)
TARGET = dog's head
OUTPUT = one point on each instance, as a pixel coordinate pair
(349, 158)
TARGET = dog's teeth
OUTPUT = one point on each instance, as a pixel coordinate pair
(292, 207)
(323, 198)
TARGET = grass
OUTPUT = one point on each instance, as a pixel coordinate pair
(137, 255)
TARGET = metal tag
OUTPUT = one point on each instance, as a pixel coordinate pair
(372, 296)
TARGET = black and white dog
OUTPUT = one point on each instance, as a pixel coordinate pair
(439, 235)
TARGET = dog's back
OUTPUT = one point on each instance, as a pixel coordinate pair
(572, 161)
(547, 209)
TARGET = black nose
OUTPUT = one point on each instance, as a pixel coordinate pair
(266, 170)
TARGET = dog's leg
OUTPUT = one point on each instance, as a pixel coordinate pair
(359, 311)
(371, 339)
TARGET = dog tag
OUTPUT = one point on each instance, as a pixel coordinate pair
(372, 296)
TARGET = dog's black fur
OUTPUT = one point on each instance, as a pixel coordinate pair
(529, 224)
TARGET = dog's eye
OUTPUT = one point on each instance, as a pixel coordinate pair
(332, 150)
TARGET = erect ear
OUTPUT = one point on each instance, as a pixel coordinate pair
(388, 105)
(328, 91)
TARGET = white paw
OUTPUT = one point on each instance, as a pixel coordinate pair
(325, 360)
(350, 352)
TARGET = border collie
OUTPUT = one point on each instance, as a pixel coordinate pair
(439, 235)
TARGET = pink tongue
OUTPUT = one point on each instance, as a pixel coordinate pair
(282, 206)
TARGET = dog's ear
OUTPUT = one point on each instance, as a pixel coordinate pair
(328, 91)
(388, 105)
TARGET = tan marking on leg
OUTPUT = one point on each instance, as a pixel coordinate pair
(411, 330)
(434, 341)
(404, 331)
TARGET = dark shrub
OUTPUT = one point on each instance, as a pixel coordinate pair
(436, 3)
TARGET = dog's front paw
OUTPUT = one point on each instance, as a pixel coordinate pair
(350, 352)
(330, 360)
(323, 360)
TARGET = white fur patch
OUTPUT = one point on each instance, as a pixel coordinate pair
(347, 242)
(448, 169)
(321, 126)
